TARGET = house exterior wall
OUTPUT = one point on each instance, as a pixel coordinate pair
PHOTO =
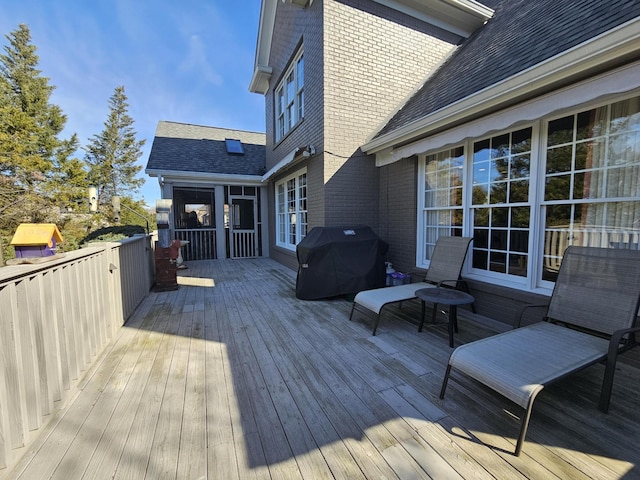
(502, 298)
(374, 58)
(362, 60)
(398, 206)
(297, 28)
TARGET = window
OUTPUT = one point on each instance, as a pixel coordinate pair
(592, 181)
(291, 210)
(500, 206)
(441, 205)
(234, 147)
(289, 98)
(529, 193)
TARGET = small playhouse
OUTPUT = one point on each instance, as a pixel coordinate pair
(36, 240)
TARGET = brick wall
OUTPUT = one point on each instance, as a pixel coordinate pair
(374, 58)
(362, 60)
(398, 210)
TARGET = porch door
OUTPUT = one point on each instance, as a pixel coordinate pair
(242, 227)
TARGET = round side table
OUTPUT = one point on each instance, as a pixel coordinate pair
(445, 296)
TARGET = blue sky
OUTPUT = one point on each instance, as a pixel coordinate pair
(187, 61)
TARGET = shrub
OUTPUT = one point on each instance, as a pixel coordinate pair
(110, 234)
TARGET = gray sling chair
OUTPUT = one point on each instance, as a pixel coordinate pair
(444, 270)
(592, 316)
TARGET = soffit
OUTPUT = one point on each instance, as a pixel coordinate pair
(461, 17)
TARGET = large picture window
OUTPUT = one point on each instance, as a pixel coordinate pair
(289, 98)
(592, 181)
(291, 210)
(529, 193)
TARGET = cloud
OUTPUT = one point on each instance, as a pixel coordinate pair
(197, 63)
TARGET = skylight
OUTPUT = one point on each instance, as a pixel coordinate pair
(234, 146)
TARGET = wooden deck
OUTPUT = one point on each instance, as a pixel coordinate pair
(232, 377)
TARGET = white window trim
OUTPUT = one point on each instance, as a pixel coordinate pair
(296, 175)
(420, 239)
(289, 124)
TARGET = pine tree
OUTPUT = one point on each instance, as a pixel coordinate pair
(112, 154)
(29, 124)
(68, 184)
(30, 148)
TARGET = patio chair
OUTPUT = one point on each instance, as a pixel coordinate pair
(444, 270)
(591, 317)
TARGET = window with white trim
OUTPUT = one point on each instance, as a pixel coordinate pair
(291, 210)
(592, 181)
(441, 209)
(289, 97)
(584, 190)
(500, 206)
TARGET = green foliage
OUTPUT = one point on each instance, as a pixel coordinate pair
(29, 124)
(110, 234)
(37, 173)
(112, 154)
(133, 212)
(41, 180)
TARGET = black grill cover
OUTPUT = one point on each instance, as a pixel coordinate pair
(336, 261)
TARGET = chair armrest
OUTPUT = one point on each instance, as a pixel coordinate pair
(441, 282)
(616, 339)
(518, 320)
(610, 367)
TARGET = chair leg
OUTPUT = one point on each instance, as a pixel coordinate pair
(452, 323)
(375, 326)
(353, 307)
(525, 423)
(523, 431)
(607, 382)
(445, 381)
(526, 416)
(465, 287)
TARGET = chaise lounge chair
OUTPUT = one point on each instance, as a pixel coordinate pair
(444, 269)
(591, 317)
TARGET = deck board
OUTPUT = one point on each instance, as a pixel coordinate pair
(232, 377)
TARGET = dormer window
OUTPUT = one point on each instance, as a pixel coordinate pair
(290, 97)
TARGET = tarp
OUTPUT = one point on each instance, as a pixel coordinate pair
(336, 261)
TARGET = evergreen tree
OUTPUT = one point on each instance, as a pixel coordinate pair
(30, 147)
(112, 154)
(69, 184)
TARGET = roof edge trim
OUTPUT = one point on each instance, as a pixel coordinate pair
(261, 68)
(201, 177)
(461, 17)
(290, 159)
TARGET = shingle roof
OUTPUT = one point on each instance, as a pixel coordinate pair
(521, 34)
(181, 147)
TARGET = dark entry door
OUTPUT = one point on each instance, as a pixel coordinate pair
(242, 227)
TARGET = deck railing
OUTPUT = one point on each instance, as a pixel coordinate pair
(556, 240)
(55, 319)
(202, 243)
